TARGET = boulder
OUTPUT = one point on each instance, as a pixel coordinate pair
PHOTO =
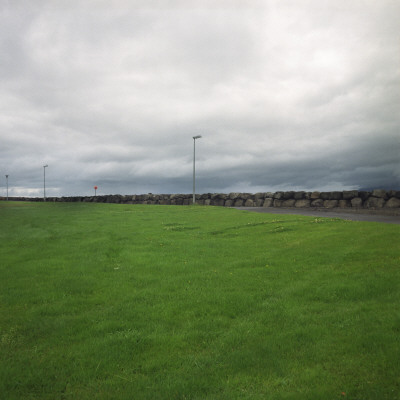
(374, 202)
(317, 203)
(303, 203)
(249, 203)
(364, 195)
(228, 203)
(325, 195)
(330, 203)
(258, 196)
(278, 203)
(315, 195)
(288, 203)
(393, 202)
(278, 195)
(268, 202)
(288, 195)
(238, 203)
(380, 193)
(356, 202)
(344, 203)
(350, 194)
(299, 195)
(259, 202)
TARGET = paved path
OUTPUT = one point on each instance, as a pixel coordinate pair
(352, 216)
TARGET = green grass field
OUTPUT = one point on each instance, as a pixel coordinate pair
(105, 301)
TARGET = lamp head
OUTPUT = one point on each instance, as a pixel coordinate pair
(197, 137)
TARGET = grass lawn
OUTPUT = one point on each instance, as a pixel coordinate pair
(106, 301)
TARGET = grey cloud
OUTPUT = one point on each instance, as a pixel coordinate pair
(286, 95)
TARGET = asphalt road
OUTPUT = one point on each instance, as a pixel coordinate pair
(368, 217)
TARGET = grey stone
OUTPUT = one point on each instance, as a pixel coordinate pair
(258, 196)
(336, 196)
(325, 195)
(344, 203)
(330, 203)
(379, 193)
(302, 203)
(315, 195)
(288, 203)
(374, 202)
(364, 195)
(288, 195)
(393, 202)
(259, 202)
(350, 194)
(278, 195)
(299, 195)
(278, 203)
(317, 203)
(249, 203)
(356, 202)
(229, 203)
(268, 202)
(238, 203)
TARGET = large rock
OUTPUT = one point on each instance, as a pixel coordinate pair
(350, 194)
(364, 195)
(278, 195)
(379, 193)
(238, 203)
(374, 202)
(289, 203)
(299, 195)
(278, 203)
(229, 203)
(259, 196)
(303, 203)
(317, 203)
(330, 203)
(344, 203)
(268, 202)
(288, 195)
(259, 202)
(393, 202)
(356, 202)
(315, 195)
(249, 203)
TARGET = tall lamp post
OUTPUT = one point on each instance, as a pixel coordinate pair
(194, 167)
(7, 185)
(44, 182)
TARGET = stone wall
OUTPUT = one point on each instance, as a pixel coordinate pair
(353, 199)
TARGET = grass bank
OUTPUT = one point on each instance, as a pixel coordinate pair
(104, 301)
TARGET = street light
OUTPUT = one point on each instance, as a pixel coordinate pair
(7, 185)
(194, 167)
(44, 182)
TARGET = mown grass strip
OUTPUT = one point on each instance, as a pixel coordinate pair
(119, 301)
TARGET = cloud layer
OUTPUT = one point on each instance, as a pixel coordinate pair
(287, 95)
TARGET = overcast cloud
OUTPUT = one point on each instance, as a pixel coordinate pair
(288, 95)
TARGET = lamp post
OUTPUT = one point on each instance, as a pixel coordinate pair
(7, 185)
(44, 182)
(194, 167)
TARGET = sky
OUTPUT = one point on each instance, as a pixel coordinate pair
(287, 95)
